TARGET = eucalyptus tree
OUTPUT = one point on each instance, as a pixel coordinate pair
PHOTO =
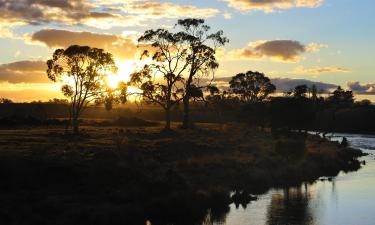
(201, 46)
(251, 87)
(182, 57)
(83, 70)
(161, 80)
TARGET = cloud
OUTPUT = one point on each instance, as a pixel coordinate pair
(24, 71)
(320, 70)
(154, 9)
(227, 15)
(282, 84)
(285, 84)
(314, 47)
(364, 89)
(124, 48)
(272, 5)
(5, 32)
(100, 14)
(43, 11)
(277, 50)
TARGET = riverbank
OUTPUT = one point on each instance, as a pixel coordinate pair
(113, 175)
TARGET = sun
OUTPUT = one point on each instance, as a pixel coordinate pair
(125, 68)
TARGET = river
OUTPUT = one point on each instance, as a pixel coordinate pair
(348, 199)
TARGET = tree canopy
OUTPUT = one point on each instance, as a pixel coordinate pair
(83, 70)
(251, 87)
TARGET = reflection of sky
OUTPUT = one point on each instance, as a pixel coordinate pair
(348, 200)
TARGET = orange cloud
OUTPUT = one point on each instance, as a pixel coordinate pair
(320, 70)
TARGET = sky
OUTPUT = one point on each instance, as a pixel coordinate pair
(290, 41)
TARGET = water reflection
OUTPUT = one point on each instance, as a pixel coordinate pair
(290, 207)
(346, 199)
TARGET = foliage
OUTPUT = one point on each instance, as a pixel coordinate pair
(83, 70)
(200, 46)
(161, 80)
(341, 97)
(251, 86)
(300, 91)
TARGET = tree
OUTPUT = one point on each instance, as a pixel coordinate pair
(182, 57)
(218, 102)
(314, 92)
(201, 46)
(341, 97)
(5, 101)
(299, 91)
(251, 87)
(83, 70)
(161, 80)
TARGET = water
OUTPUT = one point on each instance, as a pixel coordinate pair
(348, 199)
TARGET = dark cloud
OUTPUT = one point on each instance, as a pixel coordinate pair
(278, 50)
(24, 71)
(286, 50)
(363, 89)
(121, 47)
(43, 11)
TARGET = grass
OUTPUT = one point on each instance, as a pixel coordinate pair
(117, 175)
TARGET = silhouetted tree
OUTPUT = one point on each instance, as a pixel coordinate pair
(314, 92)
(161, 80)
(219, 102)
(58, 101)
(188, 53)
(341, 97)
(300, 91)
(251, 87)
(201, 48)
(292, 113)
(83, 69)
(5, 101)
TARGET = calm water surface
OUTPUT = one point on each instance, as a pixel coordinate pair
(348, 199)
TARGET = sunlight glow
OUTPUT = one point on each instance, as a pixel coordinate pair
(125, 68)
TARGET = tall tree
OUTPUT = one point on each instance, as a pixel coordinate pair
(161, 80)
(251, 86)
(83, 70)
(201, 46)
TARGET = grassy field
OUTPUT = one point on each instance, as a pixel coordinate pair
(117, 175)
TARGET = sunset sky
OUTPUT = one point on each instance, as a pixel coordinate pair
(326, 41)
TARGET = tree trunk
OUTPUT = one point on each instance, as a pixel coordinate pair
(75, 125)
(167, 119)
(186, 119)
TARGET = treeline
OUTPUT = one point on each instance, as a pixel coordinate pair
(300, 109)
